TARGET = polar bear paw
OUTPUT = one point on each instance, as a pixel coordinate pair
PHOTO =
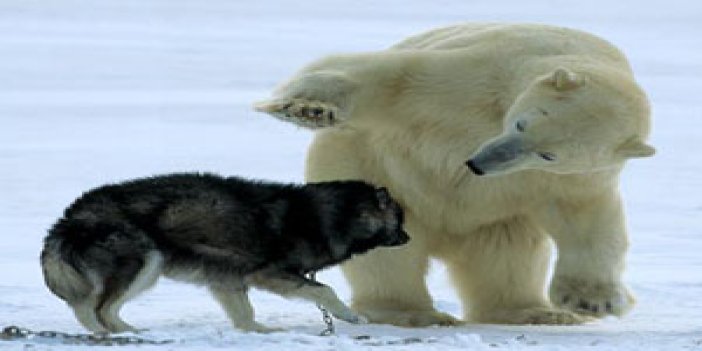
(305, 113)
(530, 316)
(596, 299)
(255, 327)
(413, 319)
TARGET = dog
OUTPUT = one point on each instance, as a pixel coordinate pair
(228, 234)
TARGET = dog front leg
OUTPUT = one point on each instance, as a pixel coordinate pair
(291, 285)
(235, 302)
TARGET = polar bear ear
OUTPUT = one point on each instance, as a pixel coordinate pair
(563, 79)
(635, 148)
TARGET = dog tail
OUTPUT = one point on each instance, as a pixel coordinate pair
(67, 279)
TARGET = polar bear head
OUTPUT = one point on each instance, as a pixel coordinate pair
(567, 122)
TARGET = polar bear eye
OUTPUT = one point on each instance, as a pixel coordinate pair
(547, 156)
(520, 126)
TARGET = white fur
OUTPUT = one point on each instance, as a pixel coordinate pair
(410, 117)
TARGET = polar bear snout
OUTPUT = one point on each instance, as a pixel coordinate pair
(475, 169)
(501, 155)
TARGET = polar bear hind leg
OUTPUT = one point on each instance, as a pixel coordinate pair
(389, 287)
(305, 113)
(313, 100)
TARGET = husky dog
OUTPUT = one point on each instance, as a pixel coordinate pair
(228, 234)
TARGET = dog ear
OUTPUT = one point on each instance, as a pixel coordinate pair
(383, 197)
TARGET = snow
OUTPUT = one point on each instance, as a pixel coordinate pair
(96, 91)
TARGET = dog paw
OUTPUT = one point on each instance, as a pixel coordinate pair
(596, 299)
(303, 112)
(349, 316)
(357, 319)
(118, 327)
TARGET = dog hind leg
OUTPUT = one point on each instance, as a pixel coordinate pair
(86, 314)
(133, 278)
(79, 288)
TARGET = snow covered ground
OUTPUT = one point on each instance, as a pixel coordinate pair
(100, 91)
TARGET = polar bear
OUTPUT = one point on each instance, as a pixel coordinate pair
(497, 139)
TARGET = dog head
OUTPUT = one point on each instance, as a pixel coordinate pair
(358, 217)
(385, 219)
(375, 219)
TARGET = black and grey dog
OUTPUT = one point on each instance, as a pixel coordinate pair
(226, 233)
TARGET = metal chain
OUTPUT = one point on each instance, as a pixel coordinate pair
(367, 340)
(18, 333)
(364, 339)
(326, 316)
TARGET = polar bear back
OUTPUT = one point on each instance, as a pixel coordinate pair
(528, 39)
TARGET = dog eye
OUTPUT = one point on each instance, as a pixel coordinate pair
(547, 156)
(520, 126)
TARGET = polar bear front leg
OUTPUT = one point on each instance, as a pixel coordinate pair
(389, 287)
(388, 284)
(500, 272)
(312, 100)
(592, 242)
